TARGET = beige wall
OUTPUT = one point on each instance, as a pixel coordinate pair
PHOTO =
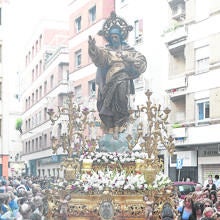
(190, 57)
(214, 6)
(190, 107)
(176, 65)
(190, 6)
(214, 48)
(215, 103)
(178, 110)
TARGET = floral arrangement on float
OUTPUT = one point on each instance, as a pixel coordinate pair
(117, 181)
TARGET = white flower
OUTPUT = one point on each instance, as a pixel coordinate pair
(115, 179)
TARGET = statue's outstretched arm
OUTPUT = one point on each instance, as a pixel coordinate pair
(92, 46)
(97, 54)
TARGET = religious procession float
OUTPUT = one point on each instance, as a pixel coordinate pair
(112, 177)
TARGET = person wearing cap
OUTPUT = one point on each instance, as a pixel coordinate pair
(118, 65)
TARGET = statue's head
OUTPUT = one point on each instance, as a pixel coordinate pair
(115, 36)
(115, 25)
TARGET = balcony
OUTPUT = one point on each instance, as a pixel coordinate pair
(175, 39)
(179, 14)
(177, 87)
(175, 2)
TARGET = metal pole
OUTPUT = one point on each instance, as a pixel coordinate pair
(179, 176)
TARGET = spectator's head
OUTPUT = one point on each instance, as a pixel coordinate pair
(167, 212)
(217, 206)
(188, 202)
(213, 196)
(208, 212)
(216, 177)
(207, 203)
(198, 187)
(218, 195)
(210, 181)
(198, 206)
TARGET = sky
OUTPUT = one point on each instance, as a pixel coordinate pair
(23, 16)
(20, 19)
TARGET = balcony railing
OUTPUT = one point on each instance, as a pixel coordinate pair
(174, 2)
(175, 38)
(177, 87)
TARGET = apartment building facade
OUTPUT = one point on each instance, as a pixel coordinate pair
(85, 18)
(44, 79)
(193, 42)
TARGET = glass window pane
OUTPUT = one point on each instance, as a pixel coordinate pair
(201, 113)
(207, 110)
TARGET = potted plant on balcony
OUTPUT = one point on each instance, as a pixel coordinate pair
(18, 125)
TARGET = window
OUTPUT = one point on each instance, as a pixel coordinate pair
(36, 46)
(32, 146)
(32, 52)
(40, 41)
(92, 15)
(39, 117)
(37, 97)
(36, 144)
(78, 93)
(91, 88)
(202, 110)
(40, 142)
(45, 114)
(29, 146)
(202, 65)
(29, 102)
(202, 59)
(36, 70)
(40, 67)
(40, 92)
(33, 75)
(45, 87)
(29, 123)
(32, 99)
(45, 141)
(51, 81)
(78, 58)
(78, 24)
(138, 31)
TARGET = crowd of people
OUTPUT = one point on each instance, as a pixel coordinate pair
(204, 203)
(24, 198)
